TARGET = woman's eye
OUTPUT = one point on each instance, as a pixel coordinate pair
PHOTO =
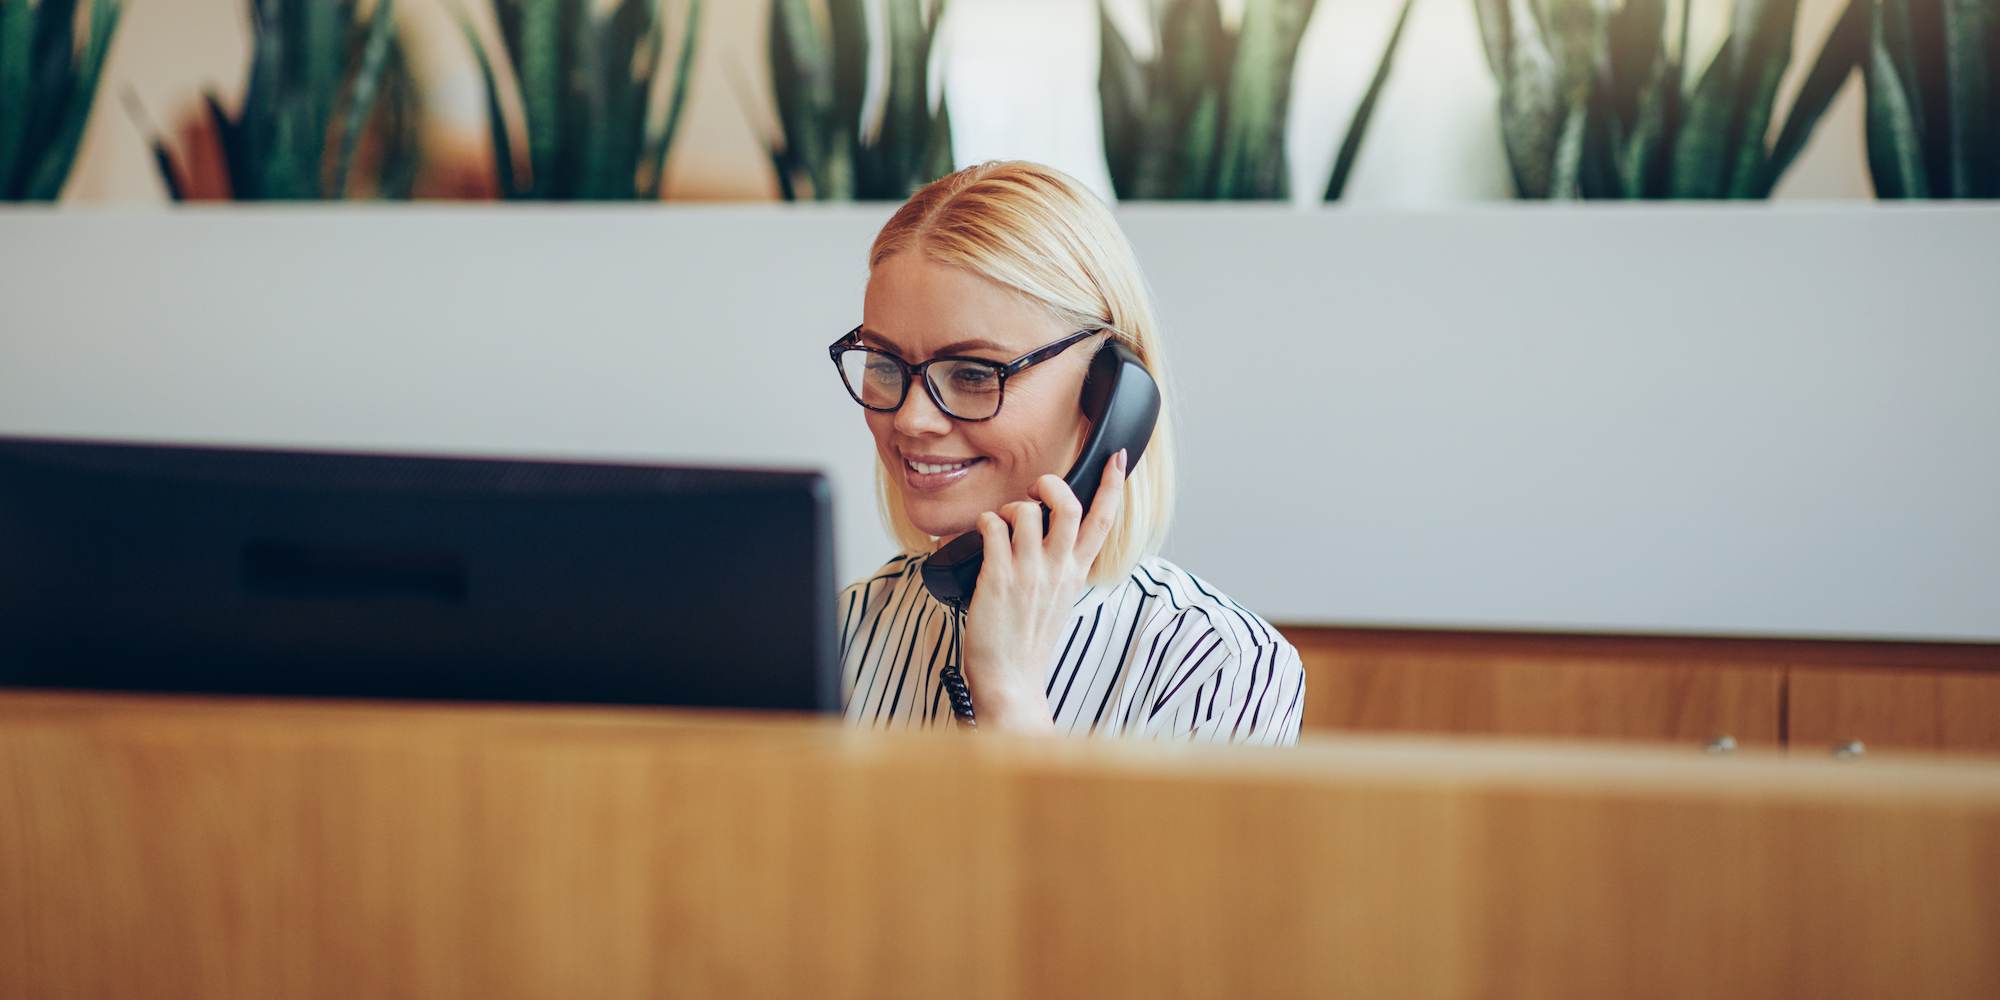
(974, 379)
(883, 371)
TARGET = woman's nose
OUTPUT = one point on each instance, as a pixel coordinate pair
(919, 415)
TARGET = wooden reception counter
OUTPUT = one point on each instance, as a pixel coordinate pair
(175, 847)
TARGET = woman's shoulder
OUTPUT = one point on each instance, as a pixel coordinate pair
(899, 566)
(1184, 593)
(1226, 675)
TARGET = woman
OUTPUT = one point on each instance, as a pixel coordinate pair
(1076, 626)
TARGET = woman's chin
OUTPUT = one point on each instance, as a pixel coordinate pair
(942, 524)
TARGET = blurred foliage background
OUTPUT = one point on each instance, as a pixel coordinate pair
(1399, 101)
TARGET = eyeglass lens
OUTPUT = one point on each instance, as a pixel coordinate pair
(969, 390)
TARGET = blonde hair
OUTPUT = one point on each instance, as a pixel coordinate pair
(1034, 229)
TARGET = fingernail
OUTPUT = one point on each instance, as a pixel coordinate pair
(1121, 460)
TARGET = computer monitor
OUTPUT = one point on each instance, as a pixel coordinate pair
(157, 567)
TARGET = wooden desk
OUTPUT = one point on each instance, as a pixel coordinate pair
(163, 847)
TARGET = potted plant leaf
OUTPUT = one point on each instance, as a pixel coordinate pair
(1204, 117)
(819, 71)
(1597, 101)
(47, 86)
(1931, 76)
(326, 79)
(596, 123)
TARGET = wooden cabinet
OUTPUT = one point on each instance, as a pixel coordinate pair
(1800, 693)
(1493, 685)
(1898, 709)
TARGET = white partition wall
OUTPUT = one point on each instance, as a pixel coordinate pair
(1767, 421)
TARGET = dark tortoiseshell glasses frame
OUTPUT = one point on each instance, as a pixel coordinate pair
(1002, 370)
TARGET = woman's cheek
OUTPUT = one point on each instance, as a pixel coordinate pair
(877, 428)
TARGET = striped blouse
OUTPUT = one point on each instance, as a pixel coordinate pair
(1161, 655)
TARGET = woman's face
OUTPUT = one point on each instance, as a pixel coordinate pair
(919, 309)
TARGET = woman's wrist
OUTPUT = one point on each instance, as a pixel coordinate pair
(1005, 710)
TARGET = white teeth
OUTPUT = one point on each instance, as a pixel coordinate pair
(929, 469)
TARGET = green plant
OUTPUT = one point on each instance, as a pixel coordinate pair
(322, 78)
(586, 81)
(818, 74)
(1931, 73)
(46, 91)
(1350, 146)
(1595, 103)
(1204, 117)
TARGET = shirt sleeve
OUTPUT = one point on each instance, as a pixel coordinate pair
(1203, 685)
(856, 605)
(849, 609)
(1257, 699)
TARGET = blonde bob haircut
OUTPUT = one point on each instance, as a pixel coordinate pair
(1034, 229)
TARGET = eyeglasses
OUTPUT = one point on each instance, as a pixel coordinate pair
(966, 389)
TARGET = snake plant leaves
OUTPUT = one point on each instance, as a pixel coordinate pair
(1646, 100)
(367, 82)
(1932, 98)
(847, 22)
(1195, 63)
(1845, 47)
(1969, 143)
(1720, 150)
(595, 121)
(938, 156)
(1121, 93)
(1495, 34)
(1582, 166)
(1594, 101)
(1767, 33)
(1930, 92)
(802, 82)
(1204, 116)
(1701, 151)
(1161, 117)
(1895, 131)
(496, 118)
(1252, 158)
(1532, 103)
(47, 87)
(660, 140)
(1637, 30)
(17, 34)
(819, 78)
(322, 77)
(906, 116)
(1350, 145)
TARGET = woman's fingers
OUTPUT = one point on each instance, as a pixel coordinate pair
(1026, 517)
(1103, 510)
(999, 555)
(1065, 512)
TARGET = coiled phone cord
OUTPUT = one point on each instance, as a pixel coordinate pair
(953, 678)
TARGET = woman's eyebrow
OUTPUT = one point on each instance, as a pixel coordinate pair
(953, 347)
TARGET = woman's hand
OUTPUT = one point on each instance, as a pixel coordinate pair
(1027, 585)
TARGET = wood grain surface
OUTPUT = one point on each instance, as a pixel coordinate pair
(1927, 709)
(1679, 689)
(178, 847)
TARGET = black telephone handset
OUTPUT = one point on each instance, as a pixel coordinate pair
(1122, 402)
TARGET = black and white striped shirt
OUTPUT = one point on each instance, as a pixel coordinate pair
(1161, 655)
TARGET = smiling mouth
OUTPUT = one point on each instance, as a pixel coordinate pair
(936, 472)
(939, 468)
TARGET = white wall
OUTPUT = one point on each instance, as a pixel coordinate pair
(1685, 419)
